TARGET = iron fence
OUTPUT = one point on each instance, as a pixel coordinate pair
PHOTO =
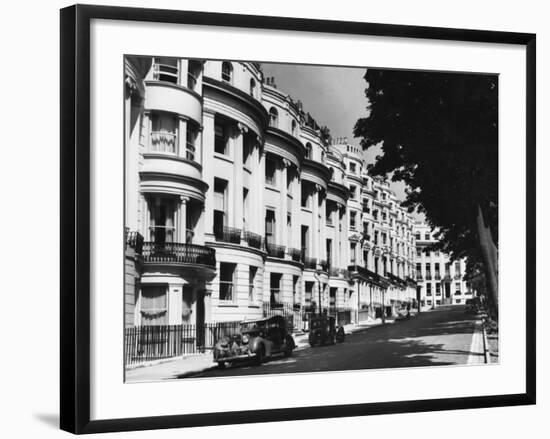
(147, 343)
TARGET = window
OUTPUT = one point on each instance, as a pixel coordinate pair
(153, 305)
(193, 72)
(438, 289)
(332, 297)
(275, 293)
(273, 117)
(270, 226)
(191, 139)
(328, 214)
(305, 240)
(220, 188)
(309, 293)
(270, 172)
(457, 288)
(227, 72)
(294, 128)
(428, 289)
(164, 136)
(246, 212)
(376, 264)
(437, 274)
(227, 274)
(418, 253)
(352, 219)
(427, 236)
(162, 214)
(457, 301)
(352, 247)
(295, 290)
(165, 69)
(353, 192)
(306, 196)
(375, 215)
(417, 236)
(252, 87)
(418, 270)
(253, 271)
(308, 150)
(352, 168)
(220, 139)
(457, 269)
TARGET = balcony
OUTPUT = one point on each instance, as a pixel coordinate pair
(164, 95)
(253, 239)
(227, 234)
(178, 253)
(437, 276)
(428, 277)
(133, 240)
(419, 278)
(275, 251)
(295, 254)
(324, 264)
(310, 263)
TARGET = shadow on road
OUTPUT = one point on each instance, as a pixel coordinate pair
(437, 338)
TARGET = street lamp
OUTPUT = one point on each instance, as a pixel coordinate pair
(317, 278)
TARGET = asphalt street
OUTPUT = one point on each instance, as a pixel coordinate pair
(441, 337)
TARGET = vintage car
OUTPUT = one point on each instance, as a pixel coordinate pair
(322, 329)
(256, 341)
(404, 313)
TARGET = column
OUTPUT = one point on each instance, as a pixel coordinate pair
(315, 223)
(182, 137)
(238, 175)
(208, 171)
(323, 227)
(261, 186)
(284, 240)
(182, 219)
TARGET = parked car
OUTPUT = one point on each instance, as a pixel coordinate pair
(472, 305)
(256, 341)
(322, 329)
(404, 313)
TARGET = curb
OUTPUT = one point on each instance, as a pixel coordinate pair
(486, 344)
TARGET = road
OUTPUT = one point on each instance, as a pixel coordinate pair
(441, 337)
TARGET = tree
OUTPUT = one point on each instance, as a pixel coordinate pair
(439, 135)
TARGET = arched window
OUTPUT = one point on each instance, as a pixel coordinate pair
(322, 157)
(227, 71)
(293, 125)
(273, 117)
(252, 87)
(308, 150)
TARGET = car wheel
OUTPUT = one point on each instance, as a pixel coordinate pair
(260, 355)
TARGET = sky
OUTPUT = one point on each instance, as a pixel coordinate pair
(334, 96)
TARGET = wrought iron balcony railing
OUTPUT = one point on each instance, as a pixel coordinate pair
(295, 254)
(276, 251)
(180, 253)
(253, 239)
(228, 234)
(310, 262)
(134, 240)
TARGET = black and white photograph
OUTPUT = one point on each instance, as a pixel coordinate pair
(295, 218)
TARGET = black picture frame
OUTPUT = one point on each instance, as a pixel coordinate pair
(75, 217)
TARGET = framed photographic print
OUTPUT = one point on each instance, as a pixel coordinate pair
(268, 218)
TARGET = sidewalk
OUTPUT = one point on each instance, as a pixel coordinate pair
(180, 367)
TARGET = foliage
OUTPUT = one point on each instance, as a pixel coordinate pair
(439, 135)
